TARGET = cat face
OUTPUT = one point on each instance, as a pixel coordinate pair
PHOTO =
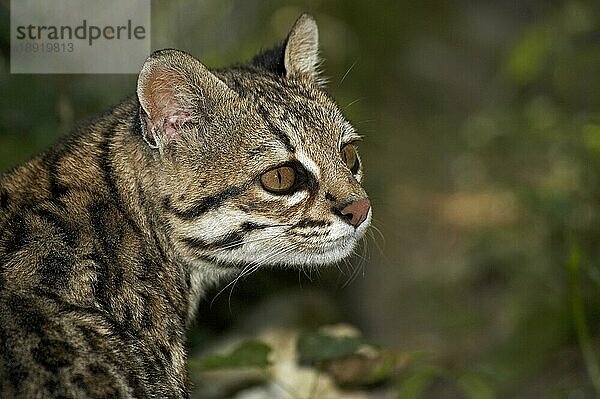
(259, 165)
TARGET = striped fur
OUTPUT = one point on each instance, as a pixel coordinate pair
(110, 237)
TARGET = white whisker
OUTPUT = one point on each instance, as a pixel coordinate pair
(347, 72)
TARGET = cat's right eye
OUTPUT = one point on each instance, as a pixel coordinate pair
(279, 180)
(350, 158)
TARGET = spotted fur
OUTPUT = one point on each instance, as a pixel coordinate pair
(109, 238)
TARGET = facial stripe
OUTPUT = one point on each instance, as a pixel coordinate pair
(229, 241)
(311, 223)
(251, 226)
(280, 134)
(203, 205)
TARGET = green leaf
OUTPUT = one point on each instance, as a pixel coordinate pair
(529, 54)
(318, 347)
(250, 354)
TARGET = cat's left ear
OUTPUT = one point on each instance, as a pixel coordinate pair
(301, 53)
(175, 89)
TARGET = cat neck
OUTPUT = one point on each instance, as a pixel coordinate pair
(138, 166)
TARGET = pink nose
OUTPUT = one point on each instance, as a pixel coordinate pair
(356, 212)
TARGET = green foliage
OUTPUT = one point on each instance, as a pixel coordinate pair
(251, 354)
(319, 347)
(527, 59)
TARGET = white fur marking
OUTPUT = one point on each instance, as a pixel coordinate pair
(308, 163)
(297, 197)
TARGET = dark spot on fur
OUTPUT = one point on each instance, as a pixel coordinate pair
(26, 314)
(250, 226)
(98, 383)
(53, 354)
(330, 197)
(68, 234)
(58, 190)
(3, 199)
(166, 353)
(52, 159)
(107, 226)
(18, 235)
(56, 389)
(16, 373)
(56, 268)
(97, 369)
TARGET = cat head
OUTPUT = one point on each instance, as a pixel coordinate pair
(257, 165)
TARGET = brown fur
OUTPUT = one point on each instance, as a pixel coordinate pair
(110, 237)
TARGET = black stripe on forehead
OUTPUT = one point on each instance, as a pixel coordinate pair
(204, 204)
(280, 134)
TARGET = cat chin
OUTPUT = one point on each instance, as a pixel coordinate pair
(321, 256)
(334, 252)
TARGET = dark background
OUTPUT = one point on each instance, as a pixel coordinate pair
(482, 149)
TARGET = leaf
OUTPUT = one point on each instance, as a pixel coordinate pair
(358, 369)
(527, 58)
(319, 347)
(250, 354)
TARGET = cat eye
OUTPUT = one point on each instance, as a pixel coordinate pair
(279, 180)
(350, 158)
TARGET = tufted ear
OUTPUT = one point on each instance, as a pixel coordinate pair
(301, 55)
(171, 88)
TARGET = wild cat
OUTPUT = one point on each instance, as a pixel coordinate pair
(109, 238)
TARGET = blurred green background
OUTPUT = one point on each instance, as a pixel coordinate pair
(482, 149)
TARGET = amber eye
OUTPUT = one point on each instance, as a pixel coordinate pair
(350, 158)
(278, 180)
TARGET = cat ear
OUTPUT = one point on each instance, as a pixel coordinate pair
(301, 54)
(171, 88)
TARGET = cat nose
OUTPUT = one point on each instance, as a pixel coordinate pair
(356, 212)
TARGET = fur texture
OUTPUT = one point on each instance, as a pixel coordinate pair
(109, 238)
